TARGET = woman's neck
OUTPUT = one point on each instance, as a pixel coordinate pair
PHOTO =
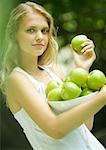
(29, 62)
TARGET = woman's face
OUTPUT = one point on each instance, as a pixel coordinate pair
(33, 34)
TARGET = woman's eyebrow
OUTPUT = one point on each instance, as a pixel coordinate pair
(35, 26)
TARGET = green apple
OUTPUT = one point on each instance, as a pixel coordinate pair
(70, 91)
(84, 86)
(78, 76)
(55, 94)
(96, 79)
(86, 91)
(77, 41)
(51, 85)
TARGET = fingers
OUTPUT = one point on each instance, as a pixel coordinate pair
(90, 54)
(87, 46)
(89, 42)
(88, 49)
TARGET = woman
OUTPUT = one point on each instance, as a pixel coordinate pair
(29, 59)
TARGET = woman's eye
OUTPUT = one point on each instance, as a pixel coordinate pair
(44, 31)
(30, 30)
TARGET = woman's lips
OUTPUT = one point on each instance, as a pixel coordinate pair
(38, 44)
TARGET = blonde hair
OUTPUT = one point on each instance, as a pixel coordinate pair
(10, 56)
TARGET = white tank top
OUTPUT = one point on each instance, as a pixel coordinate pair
(79, 139)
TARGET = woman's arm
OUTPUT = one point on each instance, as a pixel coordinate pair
(58, 126)
(85, 61)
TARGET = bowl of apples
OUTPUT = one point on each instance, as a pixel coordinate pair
(78, 87)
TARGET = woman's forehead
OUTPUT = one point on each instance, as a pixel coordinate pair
(34, 19)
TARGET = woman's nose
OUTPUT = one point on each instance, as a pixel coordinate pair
(39, 36)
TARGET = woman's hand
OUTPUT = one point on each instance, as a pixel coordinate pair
(86, 59)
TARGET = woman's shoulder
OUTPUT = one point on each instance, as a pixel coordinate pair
(18, 74)
(20, 82)
(17, 78)
(15, 74)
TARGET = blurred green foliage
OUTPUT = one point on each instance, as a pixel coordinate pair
(72, 17)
